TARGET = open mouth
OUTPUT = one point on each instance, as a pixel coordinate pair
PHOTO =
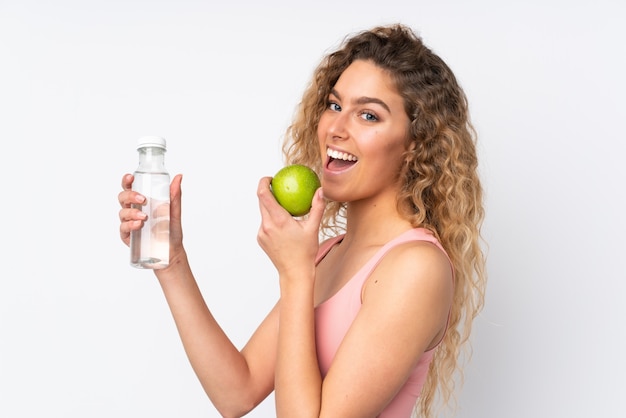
(339, 160)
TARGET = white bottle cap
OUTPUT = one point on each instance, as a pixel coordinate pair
(151, 141)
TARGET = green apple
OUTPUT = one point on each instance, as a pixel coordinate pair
(294, 186)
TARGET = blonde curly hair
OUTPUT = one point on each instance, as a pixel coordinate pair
(441, 189)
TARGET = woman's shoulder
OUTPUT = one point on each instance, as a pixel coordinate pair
(416, 246)
(417, 255)
(415, 264)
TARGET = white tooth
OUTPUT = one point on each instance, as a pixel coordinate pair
(338, 155)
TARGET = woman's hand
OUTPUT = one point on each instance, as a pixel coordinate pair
(291, 243)
(132, 219)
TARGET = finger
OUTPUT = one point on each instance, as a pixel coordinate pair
(263, 192)
(175, 196)
(267, 202)
(317, 208)
(176, 209)
(132, 214)
(127, 181)
(131, 219)
(127, 227)
(127, 198)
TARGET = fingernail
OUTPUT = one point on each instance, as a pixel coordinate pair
(139, 198)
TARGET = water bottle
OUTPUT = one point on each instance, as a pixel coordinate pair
(150, 245)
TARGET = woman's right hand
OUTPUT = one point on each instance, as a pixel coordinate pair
(132, 219)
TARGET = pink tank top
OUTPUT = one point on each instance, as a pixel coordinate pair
(334, 316)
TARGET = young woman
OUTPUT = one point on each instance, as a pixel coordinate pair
(370, 321)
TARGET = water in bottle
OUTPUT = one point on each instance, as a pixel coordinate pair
(149, 246)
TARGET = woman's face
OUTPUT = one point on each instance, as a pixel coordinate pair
(362, 135)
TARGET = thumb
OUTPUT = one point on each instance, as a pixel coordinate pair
(176, 232)
(175, 196)
(317, 207)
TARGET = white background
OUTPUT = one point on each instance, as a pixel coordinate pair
(82, 334)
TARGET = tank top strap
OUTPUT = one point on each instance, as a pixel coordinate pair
(415, 234)
(325, 247)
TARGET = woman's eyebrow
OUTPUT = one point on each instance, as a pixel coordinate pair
(366, 100)
(363, 100)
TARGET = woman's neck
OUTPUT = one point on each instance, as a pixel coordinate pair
(374, 223)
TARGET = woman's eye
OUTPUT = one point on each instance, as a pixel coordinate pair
(334, 107)
(368, 116)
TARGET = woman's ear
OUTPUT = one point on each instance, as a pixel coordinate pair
(410, 149)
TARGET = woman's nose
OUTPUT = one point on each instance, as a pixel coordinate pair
(338, 127)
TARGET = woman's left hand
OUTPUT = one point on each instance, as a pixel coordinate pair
(291, 243)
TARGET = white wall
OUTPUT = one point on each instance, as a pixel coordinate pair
(82, 334)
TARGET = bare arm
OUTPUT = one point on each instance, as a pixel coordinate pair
(292, 246)
(404, 312)
(234, 380)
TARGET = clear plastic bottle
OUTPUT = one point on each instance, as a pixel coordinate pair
(150, 246)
